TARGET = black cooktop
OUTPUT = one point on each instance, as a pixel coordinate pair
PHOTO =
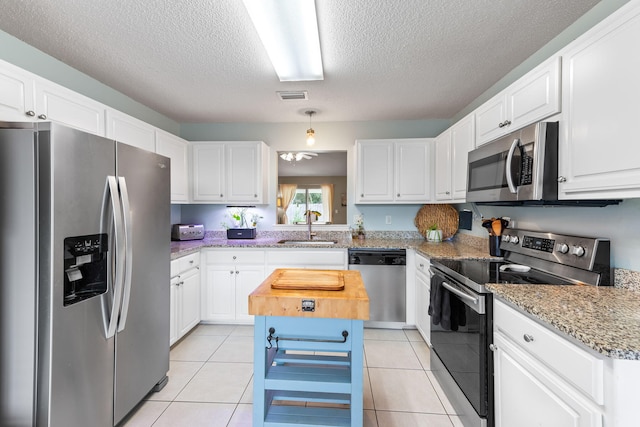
(482, 272)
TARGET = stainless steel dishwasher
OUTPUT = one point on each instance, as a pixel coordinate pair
(384, 275)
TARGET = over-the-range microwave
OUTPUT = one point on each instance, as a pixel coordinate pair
(520, 166)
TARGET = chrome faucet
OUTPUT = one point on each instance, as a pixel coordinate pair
(309, 233)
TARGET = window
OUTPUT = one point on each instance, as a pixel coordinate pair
(306, 198)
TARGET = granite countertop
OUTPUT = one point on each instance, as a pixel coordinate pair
(456, 248)
(605, 319)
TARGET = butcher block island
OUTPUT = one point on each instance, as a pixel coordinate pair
(308, 348)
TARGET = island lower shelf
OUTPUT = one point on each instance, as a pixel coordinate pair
(307, 366)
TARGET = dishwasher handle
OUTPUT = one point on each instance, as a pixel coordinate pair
(378, 257)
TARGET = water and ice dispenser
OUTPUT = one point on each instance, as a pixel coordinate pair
(85, 267)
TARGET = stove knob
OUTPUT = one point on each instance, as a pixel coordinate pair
(577, 251)
(514, 239)
(506, 237)
(563, 248)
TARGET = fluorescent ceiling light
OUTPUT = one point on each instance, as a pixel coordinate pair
(289, 32)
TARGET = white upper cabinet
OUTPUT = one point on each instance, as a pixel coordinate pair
(177, 150)
(599, 150)
(533, 97)
(394, 170)
(207, 171)
(462, 141)
(451, 149)
(442, 166)
(413, 170)
(129, 130)
(17, 94)
(245, 173)
(233, 171)
(59, 104)
(375, 171)
(25, 96)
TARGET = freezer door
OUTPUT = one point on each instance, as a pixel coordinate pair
(75, 359)
(142, 343)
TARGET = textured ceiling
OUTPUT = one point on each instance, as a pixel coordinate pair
(202, 61)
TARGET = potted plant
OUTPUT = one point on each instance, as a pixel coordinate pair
(357, 232)
(312, 216)
(434, 234)
(240, 228)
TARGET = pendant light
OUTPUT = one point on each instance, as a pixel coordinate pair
(311, 134)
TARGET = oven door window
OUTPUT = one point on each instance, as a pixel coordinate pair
(464, 352)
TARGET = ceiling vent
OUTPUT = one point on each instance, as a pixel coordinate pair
(301, 95)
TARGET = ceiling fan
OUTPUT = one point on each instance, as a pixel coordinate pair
(297, 156)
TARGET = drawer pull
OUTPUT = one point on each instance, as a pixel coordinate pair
(527, 337)
(272, 337)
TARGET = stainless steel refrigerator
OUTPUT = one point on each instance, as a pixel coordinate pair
(84, 269)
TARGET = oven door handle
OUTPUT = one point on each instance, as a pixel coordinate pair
(463, 295)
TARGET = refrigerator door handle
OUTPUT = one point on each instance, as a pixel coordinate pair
(128, 265)
(119, 245)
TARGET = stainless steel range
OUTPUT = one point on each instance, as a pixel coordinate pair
(461, 308)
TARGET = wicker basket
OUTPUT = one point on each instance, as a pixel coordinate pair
(445, 217)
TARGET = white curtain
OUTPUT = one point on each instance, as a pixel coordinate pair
(288, 192)
(327, 202)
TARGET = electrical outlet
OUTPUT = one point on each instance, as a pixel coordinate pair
(387, 219)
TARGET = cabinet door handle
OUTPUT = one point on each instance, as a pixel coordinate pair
(42, 117)
(493, 347)
(221, 195)
(237, 272)
(527, 337)
(562, 179)
(446, 192)
(30, 113)
(231, 272)
(398, 194)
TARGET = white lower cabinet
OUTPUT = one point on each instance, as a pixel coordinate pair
(528, 394)
(230, 276)
(423, 297)
(185, 296)
(543, 379)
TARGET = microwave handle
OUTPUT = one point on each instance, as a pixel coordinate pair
(507, 172)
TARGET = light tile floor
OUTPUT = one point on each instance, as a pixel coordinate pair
(210, 382)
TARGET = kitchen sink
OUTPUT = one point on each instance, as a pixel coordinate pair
(308, 242)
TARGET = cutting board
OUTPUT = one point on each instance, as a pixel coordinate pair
(350, 303)
(318, 280)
